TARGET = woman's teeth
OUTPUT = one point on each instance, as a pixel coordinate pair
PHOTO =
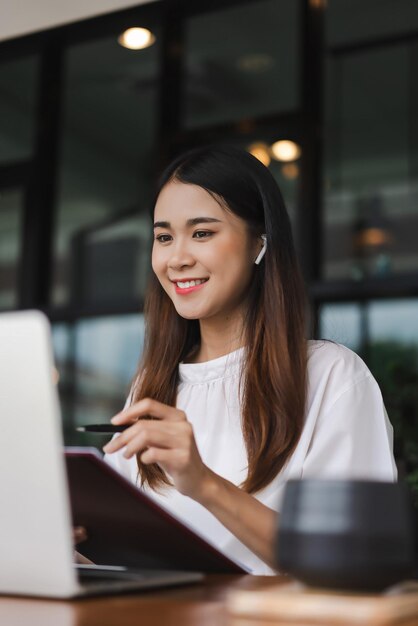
(191, 283)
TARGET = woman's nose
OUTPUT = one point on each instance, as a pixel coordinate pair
(181, 257)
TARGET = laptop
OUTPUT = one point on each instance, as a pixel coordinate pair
(36, 551)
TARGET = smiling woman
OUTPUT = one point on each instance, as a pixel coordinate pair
(219, 257)
(230, 399)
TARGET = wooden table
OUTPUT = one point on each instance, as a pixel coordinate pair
(198, 605)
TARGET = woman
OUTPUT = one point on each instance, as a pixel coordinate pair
(236, 401)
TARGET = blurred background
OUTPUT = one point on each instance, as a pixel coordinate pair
(324, 93)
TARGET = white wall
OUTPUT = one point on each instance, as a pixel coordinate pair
(20, 17)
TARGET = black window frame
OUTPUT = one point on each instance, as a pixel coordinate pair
(305, 125)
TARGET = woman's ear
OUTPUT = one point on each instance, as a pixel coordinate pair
(263, 250)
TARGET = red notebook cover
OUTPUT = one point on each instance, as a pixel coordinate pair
(126, 527)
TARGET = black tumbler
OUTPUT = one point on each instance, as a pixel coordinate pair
(346, 534)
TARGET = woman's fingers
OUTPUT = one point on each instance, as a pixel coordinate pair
(168, 441)
(156, 455)
(144, 434)
(145, 407)
(81, 560)
(79, 534)
(150, 437)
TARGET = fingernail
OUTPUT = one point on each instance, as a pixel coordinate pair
(116, 418)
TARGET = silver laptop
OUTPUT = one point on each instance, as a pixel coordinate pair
(36, 551)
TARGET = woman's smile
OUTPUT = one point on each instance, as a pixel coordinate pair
(187, 286)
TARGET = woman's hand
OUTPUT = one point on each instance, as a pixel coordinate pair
(79, 535)
(167, 440)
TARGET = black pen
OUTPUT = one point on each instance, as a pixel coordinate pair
(102, 428)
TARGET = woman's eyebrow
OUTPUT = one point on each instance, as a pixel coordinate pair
(191, 222)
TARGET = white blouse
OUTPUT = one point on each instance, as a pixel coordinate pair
(346, 434)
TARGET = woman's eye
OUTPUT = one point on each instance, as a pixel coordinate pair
(162, 238)
(202, 234)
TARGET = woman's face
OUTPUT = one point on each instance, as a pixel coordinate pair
(195, 239)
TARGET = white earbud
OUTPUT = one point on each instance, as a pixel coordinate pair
(263, 250)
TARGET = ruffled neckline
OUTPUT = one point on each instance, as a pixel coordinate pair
(223, 366)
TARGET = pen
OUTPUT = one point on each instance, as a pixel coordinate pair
(102, 428)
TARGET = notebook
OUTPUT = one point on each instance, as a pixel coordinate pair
(125, 526)
(36, 551)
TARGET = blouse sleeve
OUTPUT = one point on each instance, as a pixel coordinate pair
(353, 438)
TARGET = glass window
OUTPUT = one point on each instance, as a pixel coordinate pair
(385, 333)
(357, 20)
(96, 360)
(111, 261)
(341, 323)
(242, 61)
(18, 81)
(11, 205)
(106, 169)
(363, 324)
(371, 186)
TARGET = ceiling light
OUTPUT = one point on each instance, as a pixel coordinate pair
(318, 4)
(136, 38)
(254, 63)
(290, 171)
(261, 151)
(286, 150)
(372, 238)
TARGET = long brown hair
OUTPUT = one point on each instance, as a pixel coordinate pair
(273, 375)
